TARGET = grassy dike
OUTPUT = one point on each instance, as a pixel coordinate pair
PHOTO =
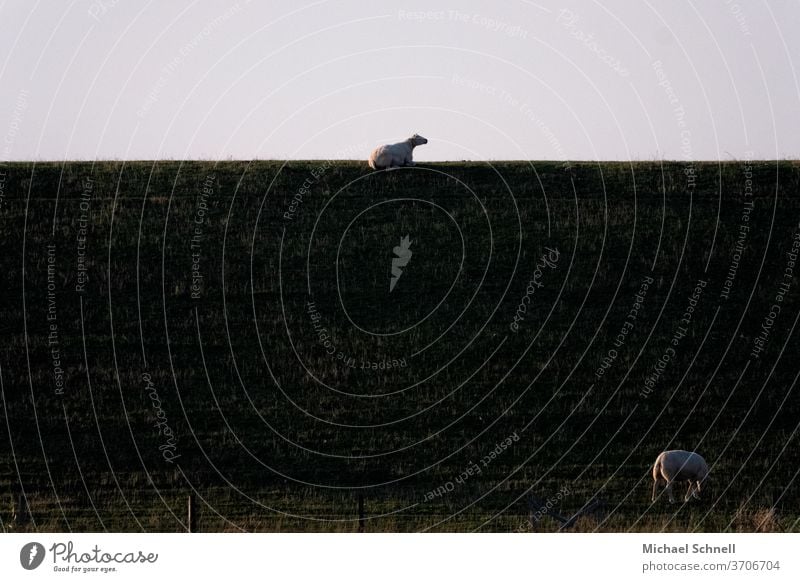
(227, 329)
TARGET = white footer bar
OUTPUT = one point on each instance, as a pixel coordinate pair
(399, 557)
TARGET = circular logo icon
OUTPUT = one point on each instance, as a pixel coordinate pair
(31, 555)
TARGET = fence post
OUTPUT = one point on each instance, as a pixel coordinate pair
(21, 513)
(361, 518)
(533, 520)
(192, 516)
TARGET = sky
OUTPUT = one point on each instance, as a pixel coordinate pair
(606, 80)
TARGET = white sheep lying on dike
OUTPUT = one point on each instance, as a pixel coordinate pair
(396, 154)
(671, 466)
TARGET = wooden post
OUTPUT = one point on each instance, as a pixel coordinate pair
(361, 518)
(533, 522)
(192, 514)
(21, 514)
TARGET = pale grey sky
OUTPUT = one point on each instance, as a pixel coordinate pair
(90, 79)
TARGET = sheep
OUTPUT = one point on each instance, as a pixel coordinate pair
(396, 154)
(671, 466)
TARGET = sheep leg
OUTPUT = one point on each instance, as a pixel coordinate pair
(655, 489)
(689, 491)
(669, 491)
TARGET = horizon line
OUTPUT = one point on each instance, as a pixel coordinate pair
(422, 163)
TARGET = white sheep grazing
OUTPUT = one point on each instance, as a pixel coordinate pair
(671, 466)
(395, 154)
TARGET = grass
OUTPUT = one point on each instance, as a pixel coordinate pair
(246, 407)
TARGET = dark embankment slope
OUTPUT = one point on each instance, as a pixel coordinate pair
(228, 328)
